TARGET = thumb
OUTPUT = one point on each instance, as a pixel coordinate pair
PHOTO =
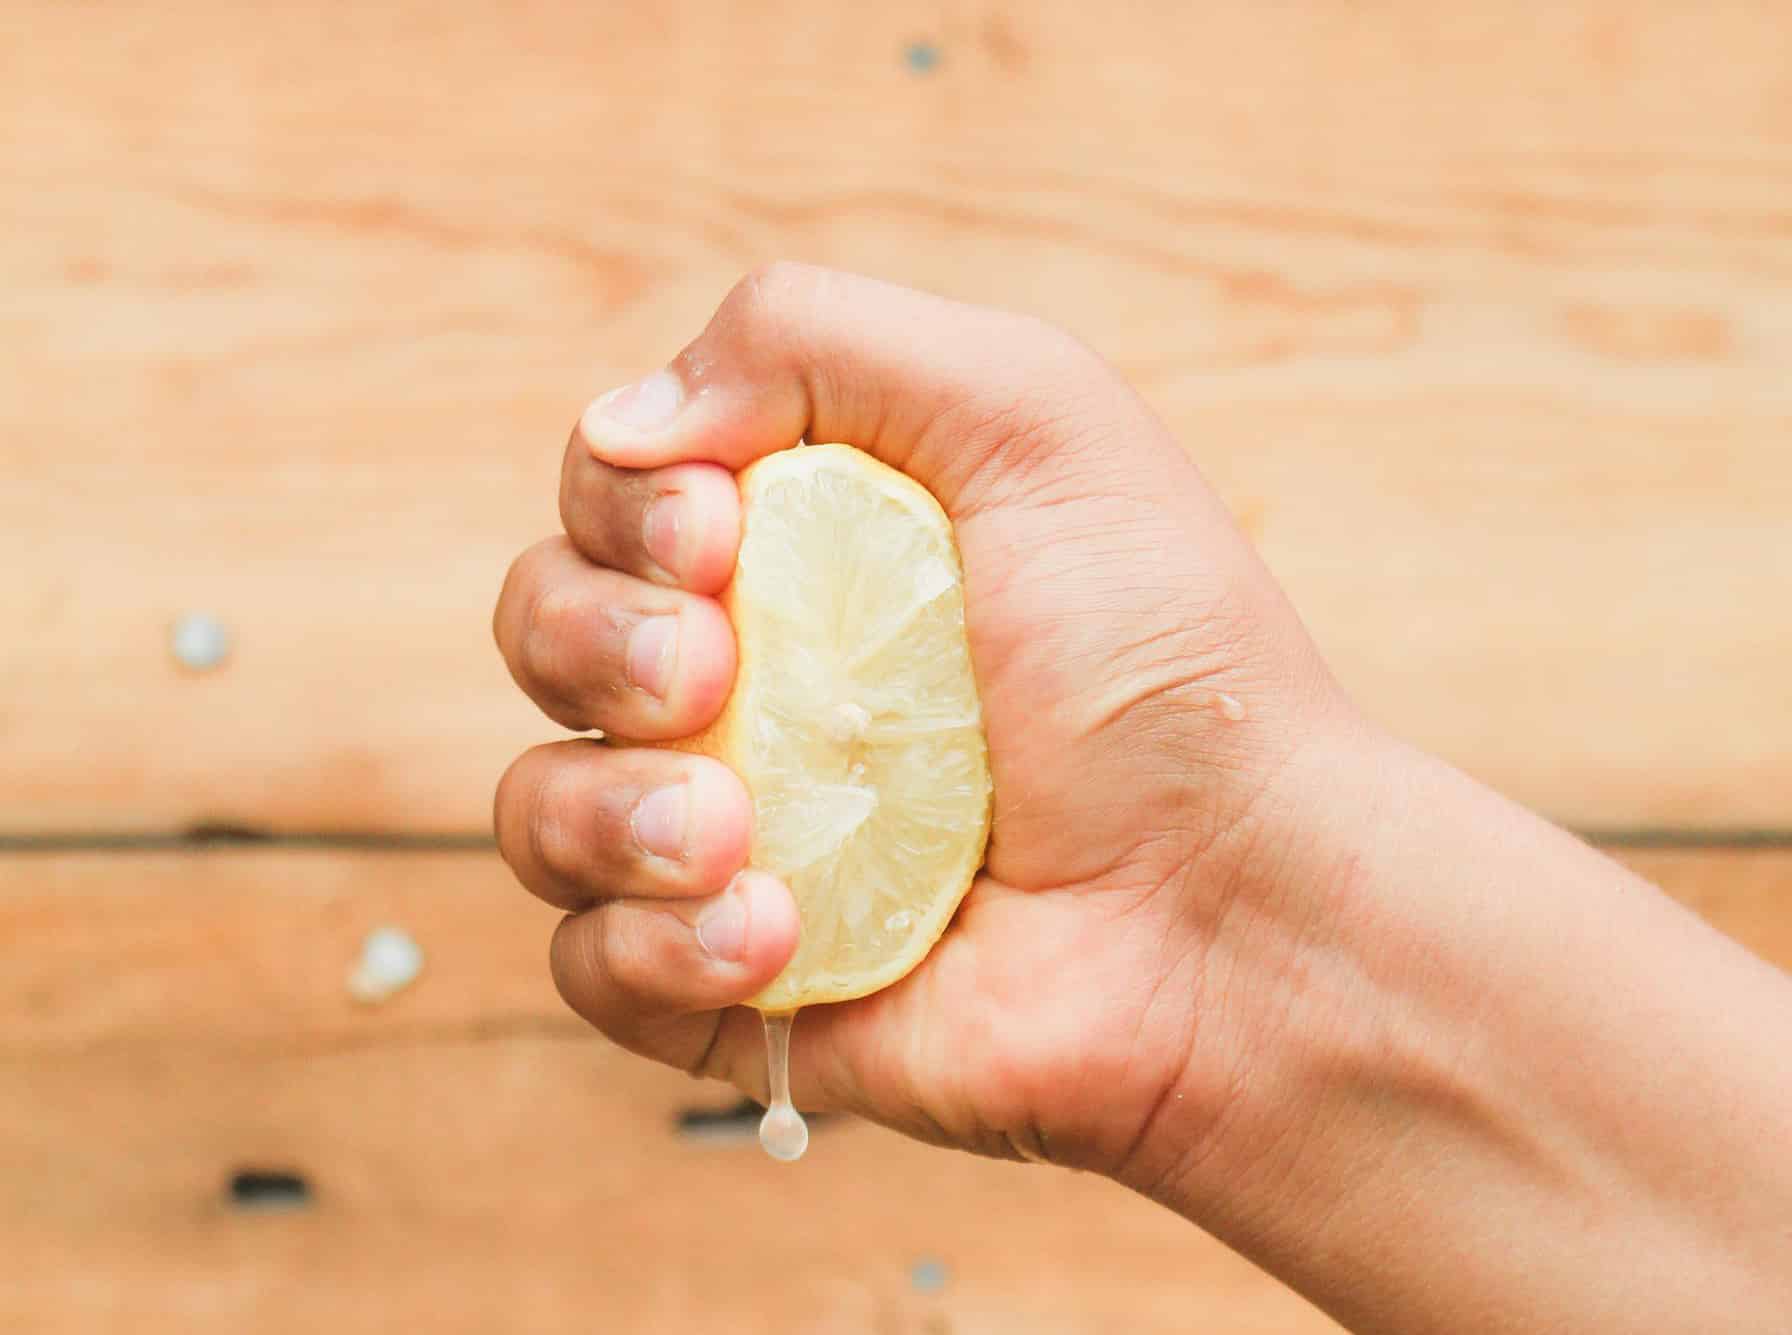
(946, 392)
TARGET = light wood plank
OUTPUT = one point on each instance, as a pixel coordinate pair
(480, 1162)
(1479, 320)
(253, 948)
(536, 1184)
(247, 949)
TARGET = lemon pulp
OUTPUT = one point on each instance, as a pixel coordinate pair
(854, 719)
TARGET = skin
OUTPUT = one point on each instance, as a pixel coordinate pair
(1433, 1062)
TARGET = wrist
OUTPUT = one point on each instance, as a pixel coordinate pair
(1258, 900)
(1428, 1025)
(1280, 906)
(1344, 968)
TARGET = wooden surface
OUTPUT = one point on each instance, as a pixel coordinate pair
(1483, 322)
(1480, 317)
(478, 1161)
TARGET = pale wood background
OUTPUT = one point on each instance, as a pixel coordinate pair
(1480, 317)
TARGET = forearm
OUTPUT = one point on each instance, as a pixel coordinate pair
(1502, 1084)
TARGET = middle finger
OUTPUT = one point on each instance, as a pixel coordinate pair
(598, 649)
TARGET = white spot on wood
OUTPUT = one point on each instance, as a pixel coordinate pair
(199, 642)
(390, 962)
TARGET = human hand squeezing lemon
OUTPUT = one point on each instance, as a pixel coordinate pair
(1228, 943)
(1115, 619)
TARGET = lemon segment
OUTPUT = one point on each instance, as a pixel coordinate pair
(854, 719)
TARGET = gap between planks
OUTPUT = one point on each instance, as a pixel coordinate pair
(1665, 838)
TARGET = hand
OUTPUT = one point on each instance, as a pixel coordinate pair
(1143, 682)
(1394, 1038)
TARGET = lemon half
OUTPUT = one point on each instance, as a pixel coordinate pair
(854, 719)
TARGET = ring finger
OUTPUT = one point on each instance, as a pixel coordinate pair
(579, 822)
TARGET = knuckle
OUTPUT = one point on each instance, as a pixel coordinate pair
(781, 281)
(506, 593)
(547, 626)
(536, 562)
(515, 592)
(504, 811)
(525, 583)
(629, 958)
(595, 498)
(553, 838)
(573, 961)
(772, 296)
(573, 471)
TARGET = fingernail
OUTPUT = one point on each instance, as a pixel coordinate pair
(652, 646)
(722, 929)
(660, 821)
(646, 405)
(660, 530)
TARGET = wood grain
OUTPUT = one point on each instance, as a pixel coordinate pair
(536, 1185)
(1478, 319)
(479, 1162)
(245, 949)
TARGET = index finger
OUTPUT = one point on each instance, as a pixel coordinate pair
(930, 386)
(677, 525)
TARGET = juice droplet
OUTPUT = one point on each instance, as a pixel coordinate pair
(1230, 707)
(782, 1132)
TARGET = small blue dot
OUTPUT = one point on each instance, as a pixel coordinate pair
(922, 57)
(928, 1275)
